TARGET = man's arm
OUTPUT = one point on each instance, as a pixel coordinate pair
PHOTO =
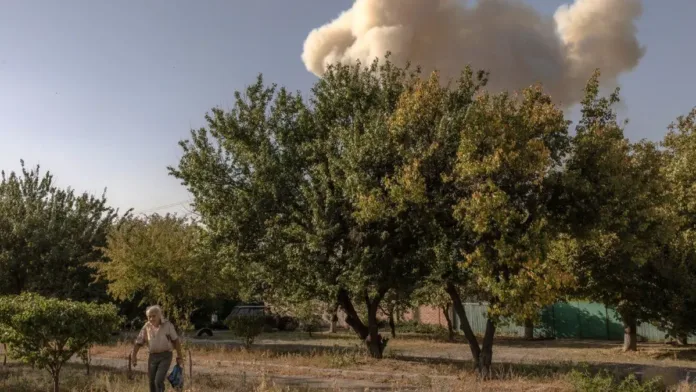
(134, 354)
(179, 352)
(139, 342)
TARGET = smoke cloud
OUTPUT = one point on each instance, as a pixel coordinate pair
(517, 44)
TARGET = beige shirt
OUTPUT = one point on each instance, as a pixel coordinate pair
(158, 339)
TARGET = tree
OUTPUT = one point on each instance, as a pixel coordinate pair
(616, 206)
(48, 235)
(395, 304)
(509, 152)
(679, 261)
(288, 190)
(47, 332)
(435, 295)
(246, 326)
(490, 159)
(160, 258)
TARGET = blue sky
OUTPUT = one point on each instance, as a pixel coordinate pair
(100, 92)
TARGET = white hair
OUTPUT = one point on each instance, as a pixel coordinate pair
(155, 309)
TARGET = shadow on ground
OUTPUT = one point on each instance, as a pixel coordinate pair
(671, 375)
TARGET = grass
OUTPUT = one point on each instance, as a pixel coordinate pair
(294, 360)
(18, 378)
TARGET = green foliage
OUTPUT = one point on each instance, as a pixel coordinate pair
(159, 258)
(47, 332)
(309, 314)
(509, 150)
(247, 327)
(679, 260)
(48, 235)
(615, 204)
(606, 382)
(287, 188)
(419, 328)
(430, 294)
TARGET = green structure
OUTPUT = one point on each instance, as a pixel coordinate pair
(566, 320)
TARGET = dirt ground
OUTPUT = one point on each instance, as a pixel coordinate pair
(337, 362)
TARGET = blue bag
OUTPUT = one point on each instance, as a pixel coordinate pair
(176, 377)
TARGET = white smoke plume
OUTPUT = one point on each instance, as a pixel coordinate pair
(517, 44)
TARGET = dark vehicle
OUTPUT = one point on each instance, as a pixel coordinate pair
(273, 321)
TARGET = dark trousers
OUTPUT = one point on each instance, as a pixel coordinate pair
(157, 368)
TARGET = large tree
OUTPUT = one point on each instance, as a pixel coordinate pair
(616, 209)
(678, 266)
(160, 259)
(481, 169)
(288, 189)
(48, 235)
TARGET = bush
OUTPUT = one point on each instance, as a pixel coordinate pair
(247, 327)
(605, 382)
(47, 332)
(416, 327)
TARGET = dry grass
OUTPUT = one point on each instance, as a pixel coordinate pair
(18, 378)
(339, 363)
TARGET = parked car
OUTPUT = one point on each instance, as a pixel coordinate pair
(273, 321)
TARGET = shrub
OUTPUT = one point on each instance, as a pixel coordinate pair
(416, 327)
(47, 332)
(247, 327)
(606, 382)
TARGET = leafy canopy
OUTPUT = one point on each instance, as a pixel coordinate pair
(616, 210)
(48, 235)
(159, 258)
(47, 332)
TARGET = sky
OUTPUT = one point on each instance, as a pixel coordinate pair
(100, 92)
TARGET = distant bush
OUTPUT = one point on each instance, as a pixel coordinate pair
(47, 332)
(606, 382)
(247, 327)
(420, 328)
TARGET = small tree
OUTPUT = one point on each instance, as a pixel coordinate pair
(309, 314)
(159, 257)
(435, 295)
(47, 332)
(247, 327)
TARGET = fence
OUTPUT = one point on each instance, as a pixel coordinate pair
(566, 320)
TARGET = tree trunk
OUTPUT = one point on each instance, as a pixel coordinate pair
(352, 318)
(4, 352)
(392, 325)
(683, 339)
(448, 319)
(528, 329)
(466, 327)
(630, 333)
(485, 358)
(88, 360)
(334, 319)
(56, 380)
(374, 341)
(190, 361)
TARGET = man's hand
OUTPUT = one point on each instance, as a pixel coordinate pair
(134, 360)
(180, 361)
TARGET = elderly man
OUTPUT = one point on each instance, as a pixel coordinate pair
(161, 338)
